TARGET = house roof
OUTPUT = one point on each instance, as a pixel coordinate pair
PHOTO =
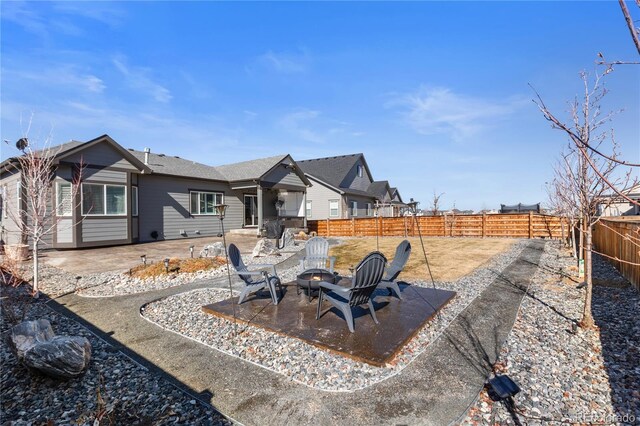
(379, 188)
(250, 170)
(176, 166)
(332, 170)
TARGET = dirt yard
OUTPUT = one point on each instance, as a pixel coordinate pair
(449, 258)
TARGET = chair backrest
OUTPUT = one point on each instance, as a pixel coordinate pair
(238, 264)
(368, 275)
(403, 251)
(317, 252)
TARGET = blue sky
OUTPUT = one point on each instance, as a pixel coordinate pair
(435, 94)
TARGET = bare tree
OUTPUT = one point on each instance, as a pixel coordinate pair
(435, 203)
(587, 178)
(39, 214)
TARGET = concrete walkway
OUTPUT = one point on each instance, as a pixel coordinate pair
(436, 389)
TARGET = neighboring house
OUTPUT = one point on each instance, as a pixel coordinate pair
(615, 205)
(130, 196)
(520, 208)
(343, 188)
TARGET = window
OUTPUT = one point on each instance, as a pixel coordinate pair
(333, 208)
(99, 199)
(354, 208)
(309, 209)
(64, 202)
(205, 202)
(360, 169)
(369, 210)
(134, 201)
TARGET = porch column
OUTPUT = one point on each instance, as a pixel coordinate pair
(259, 191)
(304, 209)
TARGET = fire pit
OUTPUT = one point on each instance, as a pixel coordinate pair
(310, 279)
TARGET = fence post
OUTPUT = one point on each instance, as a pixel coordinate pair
(404, 221)
(353, 227)
(484, 225)
(381, 226)
(328, 233)
(530, 224)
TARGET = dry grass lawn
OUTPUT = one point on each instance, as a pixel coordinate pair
(177, 265)
(449, 258)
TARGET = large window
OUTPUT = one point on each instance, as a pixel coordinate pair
(134, 201)
(309, 210)
(98, 199)
(205, 202)
(333, 208)
(64, 202)
(354, 208)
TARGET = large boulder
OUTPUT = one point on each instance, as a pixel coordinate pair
(27, 334)
(265, 247)
(213, 250)
(35, 344)
(289, 238)
(63, 356)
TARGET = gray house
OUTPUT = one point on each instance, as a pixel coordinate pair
(130, 196)
(343, 188)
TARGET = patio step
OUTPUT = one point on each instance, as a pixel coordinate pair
(244, 231)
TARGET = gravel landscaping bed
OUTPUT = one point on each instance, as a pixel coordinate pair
(567, 374)
(114, 389)
(182, 314)
(118, 284)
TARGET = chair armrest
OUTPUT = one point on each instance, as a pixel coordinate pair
(334, 287)
(264, 266)
(250, 273)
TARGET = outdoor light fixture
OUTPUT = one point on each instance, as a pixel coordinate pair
(166, 264)
(413, 206)
(143, 258)
(191, 250)
(221, 209)
(376, 208)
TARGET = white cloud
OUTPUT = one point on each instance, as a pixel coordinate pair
(286, 63)
(299, 124)
(56, 75)
(440, 110)
(138, 78)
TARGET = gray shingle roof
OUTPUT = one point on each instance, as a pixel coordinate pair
(249, 170)
(331, 170)
(176, 166)
(378, 188)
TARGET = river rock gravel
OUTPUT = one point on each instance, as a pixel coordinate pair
(114, 390)
(568, 374)
(182, 313)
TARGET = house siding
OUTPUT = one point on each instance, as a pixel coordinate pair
(10, 231)
(283, 177)
(319, 195)
(101, 154)
(163, 203)
(90, 174)
(362, 206)
(353, 181)
(104, 229)
(64, 234)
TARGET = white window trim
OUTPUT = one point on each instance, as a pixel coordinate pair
(59, 203)
(204, 192)
(104, 204)
(5, 204)
(354, 208)
(309, 208)
(337, 209)
(137, 201)
(369, 209)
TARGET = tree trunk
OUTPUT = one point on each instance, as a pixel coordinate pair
(36, 274)
(587, 317)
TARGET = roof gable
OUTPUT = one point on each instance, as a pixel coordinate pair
(333, 170)
(72, 149)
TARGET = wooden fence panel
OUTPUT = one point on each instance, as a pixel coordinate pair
(488, 225)
(621, 241)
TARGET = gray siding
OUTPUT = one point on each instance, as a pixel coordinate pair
(101, 154)
(104, 229)
(353, 181)
(362, 206)
(164, 207)
(319, 195)
(65, 231)
(103, 175)
(10, 230)
(283, 177)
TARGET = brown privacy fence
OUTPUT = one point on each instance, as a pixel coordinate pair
(621, 242)
(531, 225)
